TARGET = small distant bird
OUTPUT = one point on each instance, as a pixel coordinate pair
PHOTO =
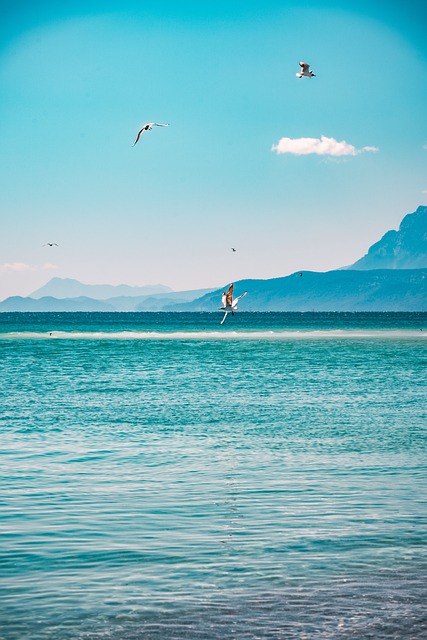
(233, 249)
(51, 244)
(305, 71)
(228, 304)
(148, 127)
(300, 273)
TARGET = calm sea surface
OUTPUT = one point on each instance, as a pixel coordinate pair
(163, 477)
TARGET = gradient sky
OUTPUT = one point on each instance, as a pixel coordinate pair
(79, 78)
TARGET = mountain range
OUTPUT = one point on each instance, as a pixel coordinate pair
(392, 276)
(341, 290)
(402, 249)
(154, 302)
(70, 288)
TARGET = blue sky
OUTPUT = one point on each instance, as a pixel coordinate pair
(80, 78)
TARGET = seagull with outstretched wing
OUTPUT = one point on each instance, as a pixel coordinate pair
(148, 127)
(229, 305)
(51, 244)
(305, 71)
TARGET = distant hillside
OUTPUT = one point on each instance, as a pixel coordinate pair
(158, 302)
(163, 302)
(16, 303)
(402, 249)
(70, 288)
(343, 290)
(392, 276)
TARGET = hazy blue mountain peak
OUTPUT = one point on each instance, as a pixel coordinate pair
(71, 288)
(402, 249)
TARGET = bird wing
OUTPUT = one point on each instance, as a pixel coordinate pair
(229, 295)
(225, 315)
(304, 66)
(158, 124)
(236, 300)
(146, 127)
(224, 299)
(140, 132)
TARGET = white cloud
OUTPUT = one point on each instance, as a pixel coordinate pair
(424, 191)
(322, 146)
(20, 267)
(368, 149)
(16, 266)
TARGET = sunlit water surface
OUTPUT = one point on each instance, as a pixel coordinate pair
(163, 477)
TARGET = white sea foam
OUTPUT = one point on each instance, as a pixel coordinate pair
(215, 335)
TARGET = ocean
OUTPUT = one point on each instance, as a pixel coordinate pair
(163, 477)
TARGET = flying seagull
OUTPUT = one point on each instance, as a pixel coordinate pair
(50, 244)
(228, 304)
(233, 249)
(148, 127)
(305, 71)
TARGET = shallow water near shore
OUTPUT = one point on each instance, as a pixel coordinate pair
(164, 477)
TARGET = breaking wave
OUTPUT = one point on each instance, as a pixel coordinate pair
(215, 335)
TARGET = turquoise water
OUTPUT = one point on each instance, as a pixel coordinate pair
(163, 477)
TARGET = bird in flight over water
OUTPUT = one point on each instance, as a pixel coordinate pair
(148, 127)
(228, 304)
(305, 71)
(51, 244)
